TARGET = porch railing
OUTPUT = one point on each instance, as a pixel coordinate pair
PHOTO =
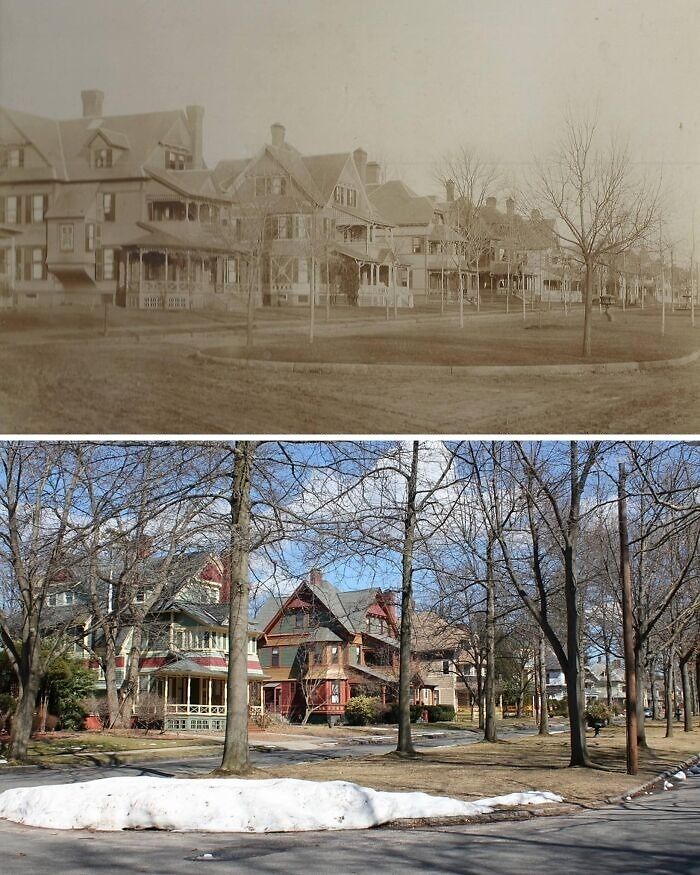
(184, 708)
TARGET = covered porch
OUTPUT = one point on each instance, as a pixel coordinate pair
(195, 696)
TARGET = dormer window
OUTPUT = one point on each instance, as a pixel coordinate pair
(345, 196)
(102, 157)
(175, 160)
(11, 156)
(140, 596)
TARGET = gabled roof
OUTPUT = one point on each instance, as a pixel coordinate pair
(226, 172)
(325, 170)
(197, 183)
(118, 139)
(292, 161)
(400, 205)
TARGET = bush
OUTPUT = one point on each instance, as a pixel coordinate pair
(68, 683)
(597, 712)
(559, 707)
(391, 715)
(362, 710)
(440, 713)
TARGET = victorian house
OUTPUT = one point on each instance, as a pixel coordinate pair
(183, 651)
(319, 646)
(78, 197)
(420, 234)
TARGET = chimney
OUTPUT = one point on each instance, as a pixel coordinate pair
(535, 215)
(510, 205)
(195, 119)
(360, 158)
(450, 190)
(277, 132)
(315, 577)
(92, 103)
(491, 202)
(372, 173)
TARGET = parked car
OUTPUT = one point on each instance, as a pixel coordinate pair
(648, 713)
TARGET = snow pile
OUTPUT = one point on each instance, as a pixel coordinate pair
(232, 805)
(679, 776)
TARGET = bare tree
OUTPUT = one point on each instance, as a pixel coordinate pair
(603, 207)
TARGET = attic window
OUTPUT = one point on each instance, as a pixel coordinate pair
(270, 185)
(12, 156)
(102, 157)
(345, 196)
(175, 160)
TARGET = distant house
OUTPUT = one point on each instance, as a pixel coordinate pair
(320, 646)
(444, 665)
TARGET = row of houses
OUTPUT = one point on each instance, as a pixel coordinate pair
(124, 208)
(309, 650)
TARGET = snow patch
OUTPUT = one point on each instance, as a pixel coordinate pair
(233, 805)
(679, 776)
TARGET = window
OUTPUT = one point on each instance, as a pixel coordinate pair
(417, 245)
(303, 271)
(275, 658)
(89, 237)
(175, 160)
(65, 238)
(104, 264)
(11, 210)
(108, 206)
(282, 227)
(52, 600)
(230, 274)
(328, 228)
(270, 185)
(68, 598)
(39, 205)
(38, 265)
(335, 655)
(318, 655)
(445, 666)
(102, 157)
(299, 619)
(252, 646)
(345, 196)
(140, 596)
(301, 227)
(335, 693)
(12, 156)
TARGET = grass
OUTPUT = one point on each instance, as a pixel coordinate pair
(53, 386)
(56, 744)
(532, 763)
(633, 336)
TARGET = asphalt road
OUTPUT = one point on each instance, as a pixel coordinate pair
(658, 834)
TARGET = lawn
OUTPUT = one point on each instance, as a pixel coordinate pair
(531, 763)
(48, 745)
(541, 340)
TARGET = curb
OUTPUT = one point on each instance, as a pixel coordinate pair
(642, 788)
(447, 370)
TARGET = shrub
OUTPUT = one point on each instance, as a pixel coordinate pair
(391, 715)
(559, 707)
(440, 713)
(362, 710)
(7, 705)
(597, 711)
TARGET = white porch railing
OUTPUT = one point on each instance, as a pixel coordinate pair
(184, 708)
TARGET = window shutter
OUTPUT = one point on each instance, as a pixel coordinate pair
(100, 207)
(45, 206)
(98, 236)
(2, 209)
(98, 264)
(27, 263)
(27, 209)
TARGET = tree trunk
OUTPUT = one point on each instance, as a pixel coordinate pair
(405, 744)
(668, 679)
(608, 681)
(687, 696)
(109, 666)
(654, 694)
(24, 714)
(250, 315)
(639, 670)
(574, 675)
(236, 757)
(490, 722)
(543, 728)
(588, 310)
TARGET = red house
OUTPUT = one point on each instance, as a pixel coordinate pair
(320, 646)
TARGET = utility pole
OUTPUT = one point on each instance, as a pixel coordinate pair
(690, 272)
(663, 290)
(627, 627)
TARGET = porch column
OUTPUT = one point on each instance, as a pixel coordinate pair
(140, 272)
(187, 211)
(225, 684)
(188, 693)
(166, 269)
(165, 695)
(209, 693)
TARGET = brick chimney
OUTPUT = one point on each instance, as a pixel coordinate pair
(450, 189)
(315, 577)
(360, 158)
(277, 132)
(372, 173)
(195, 120)
(92, 103)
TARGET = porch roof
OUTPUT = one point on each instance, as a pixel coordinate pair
(190, 667)
(359, 253)
(184, 235)
(374, 672)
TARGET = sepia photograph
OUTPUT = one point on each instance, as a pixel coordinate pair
(254, 651)
(305, 217)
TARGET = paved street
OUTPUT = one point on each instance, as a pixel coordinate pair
(657, 834)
